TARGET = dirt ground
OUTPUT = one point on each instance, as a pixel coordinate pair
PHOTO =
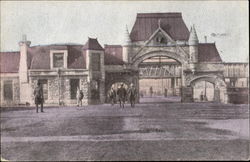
(150, 131)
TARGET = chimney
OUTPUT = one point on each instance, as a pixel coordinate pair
(205, 37)
(23, 66)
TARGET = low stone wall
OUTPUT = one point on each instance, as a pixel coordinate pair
(238, 95)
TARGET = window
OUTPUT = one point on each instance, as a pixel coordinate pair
(74, 83)
(96, 62)
(58, 60)
(8, 90)
(44, 83)
(160, 39)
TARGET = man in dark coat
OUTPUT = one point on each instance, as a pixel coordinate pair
(121, 92)
(112, 96)
(132, 95)
(38, 93)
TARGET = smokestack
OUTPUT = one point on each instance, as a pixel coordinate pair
(205, 37)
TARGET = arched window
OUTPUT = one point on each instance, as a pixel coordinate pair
(160, 39)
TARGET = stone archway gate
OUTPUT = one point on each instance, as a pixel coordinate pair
(129, 72)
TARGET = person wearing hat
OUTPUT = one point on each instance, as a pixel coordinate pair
(38, 93)
(112, 95)
(121, 92)
(132, 94)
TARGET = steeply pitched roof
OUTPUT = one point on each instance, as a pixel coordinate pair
(113, 55)
(40, 56)
(9, 62)
(208, 53)
(147, 23)
(92, 44)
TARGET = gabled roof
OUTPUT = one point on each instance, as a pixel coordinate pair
(113, 55)
(208, 53)
(147, 23)
(9, 62)
(92, 44)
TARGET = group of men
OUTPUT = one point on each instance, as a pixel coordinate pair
(122, 95)
(39, 99)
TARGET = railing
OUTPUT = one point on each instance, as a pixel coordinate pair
(164, 71)
(236, 70)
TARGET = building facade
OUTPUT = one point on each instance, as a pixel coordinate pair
(61, 68)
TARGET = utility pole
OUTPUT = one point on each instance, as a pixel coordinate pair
(59, 86)
(205, 95)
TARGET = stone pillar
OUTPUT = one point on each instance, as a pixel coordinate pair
(102, 80)
(25, 88)
(84, 86)
(216, 95)
(187, 94)
(102, 91)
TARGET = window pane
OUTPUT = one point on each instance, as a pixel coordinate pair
(95, 61)
(8, 90)
(58, 60)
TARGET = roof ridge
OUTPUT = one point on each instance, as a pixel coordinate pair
(112, 45)
(9, 51)
(160, 14)
(58, 44)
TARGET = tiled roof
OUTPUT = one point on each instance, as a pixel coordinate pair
(9, 62)
(40, 56)
(208, 53)
(147, 23)
(113, 55)
(92, 44)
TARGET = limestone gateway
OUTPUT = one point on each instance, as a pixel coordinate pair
(159, 47)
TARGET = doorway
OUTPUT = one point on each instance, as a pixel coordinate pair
(74, 83)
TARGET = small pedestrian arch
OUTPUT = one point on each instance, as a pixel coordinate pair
(115, 82)
(220, 90)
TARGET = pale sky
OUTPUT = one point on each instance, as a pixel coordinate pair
(225, 22)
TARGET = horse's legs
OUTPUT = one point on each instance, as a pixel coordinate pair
(36, 108)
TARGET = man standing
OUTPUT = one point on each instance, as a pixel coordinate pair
(112, 96)
(38, 93)
(121, 92)
(132, 95)
(165, 92)
(151, 91)
(79, 96)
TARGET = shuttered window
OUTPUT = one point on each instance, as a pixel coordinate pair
(96, 62)
(8, 90)
(58, 60)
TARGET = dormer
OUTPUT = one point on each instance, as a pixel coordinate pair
(159, 38)
(58, 59)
